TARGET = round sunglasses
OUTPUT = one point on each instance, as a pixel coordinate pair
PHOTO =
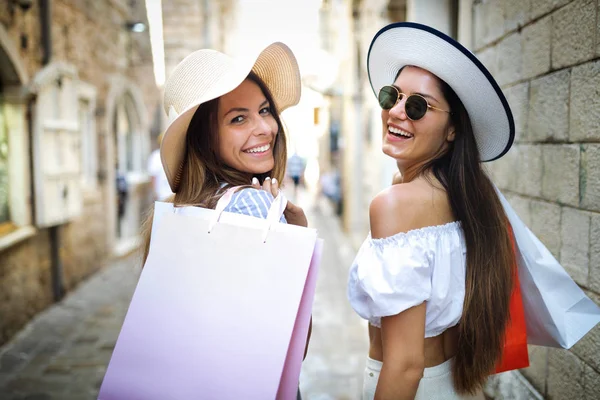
(415, 106)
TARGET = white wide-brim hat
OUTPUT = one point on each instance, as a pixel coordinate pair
(407, 43)
(207, 74)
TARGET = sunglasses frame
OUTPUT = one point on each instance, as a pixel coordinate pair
(399, 93)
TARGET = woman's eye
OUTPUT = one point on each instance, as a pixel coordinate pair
(265, 111)
(237, 119)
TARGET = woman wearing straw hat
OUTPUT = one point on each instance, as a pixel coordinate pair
(225, 130)
(434, 276)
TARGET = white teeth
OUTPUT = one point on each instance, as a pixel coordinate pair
(399, 132)
(259, 149)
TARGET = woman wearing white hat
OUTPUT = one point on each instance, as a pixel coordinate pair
(435, 275)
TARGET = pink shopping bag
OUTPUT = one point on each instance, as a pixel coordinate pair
(221, 309)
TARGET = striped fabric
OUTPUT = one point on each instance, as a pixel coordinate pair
(253, 202)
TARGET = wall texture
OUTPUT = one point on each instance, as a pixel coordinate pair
(545, 55)
(92, 36)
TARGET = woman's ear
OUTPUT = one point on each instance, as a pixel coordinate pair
(451, 133)
(450, 137)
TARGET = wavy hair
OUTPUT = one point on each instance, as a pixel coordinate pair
(490, 255)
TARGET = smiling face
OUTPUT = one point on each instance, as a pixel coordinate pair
(247, 129)
(415, 143)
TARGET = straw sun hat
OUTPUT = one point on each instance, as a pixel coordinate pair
(207, 74)
(407, 43)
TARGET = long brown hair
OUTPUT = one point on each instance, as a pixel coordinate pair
(203, 176)
(490, 257)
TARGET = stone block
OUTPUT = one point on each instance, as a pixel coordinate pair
(565, 375)
(594, 279)
(521, 205)
(545, 224)
(537, 370)
(584, 113)
(575, 244)
(510, 385)
(488, 59)
(587, 347)
(509, 59)
(503, 171)
(536, 48)
(516, 13)
(590, 176)
(529, 170)
(560, 182)
(598, 33)
(548, 108)
(518, 100)
(591, 383)
(541, 7)
(573, 33)
(488, 23)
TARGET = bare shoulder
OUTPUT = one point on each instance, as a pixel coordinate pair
(407, 206)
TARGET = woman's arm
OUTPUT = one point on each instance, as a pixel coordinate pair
(402, 337)
(403, 334)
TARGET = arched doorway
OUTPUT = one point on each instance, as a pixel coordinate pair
(127, 150)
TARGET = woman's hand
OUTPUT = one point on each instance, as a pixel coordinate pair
(293, 214)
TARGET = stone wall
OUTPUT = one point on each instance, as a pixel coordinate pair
(92, 36)
(545, 55)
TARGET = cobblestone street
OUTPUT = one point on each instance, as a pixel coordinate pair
(63, 352)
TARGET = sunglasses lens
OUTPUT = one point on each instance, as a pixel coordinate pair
(388, 95)
(415, 107)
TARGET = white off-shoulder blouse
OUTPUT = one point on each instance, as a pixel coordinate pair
(392, 274)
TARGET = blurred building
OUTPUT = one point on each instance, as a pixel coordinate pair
(77, 97)
(190, 25)
(545, 56)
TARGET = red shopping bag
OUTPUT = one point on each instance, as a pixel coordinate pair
(514, 353)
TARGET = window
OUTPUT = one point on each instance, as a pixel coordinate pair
(56, 144)
(15, 212)
(15, 186)
(87, 128)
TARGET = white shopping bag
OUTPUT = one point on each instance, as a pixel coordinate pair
(557, 311)
(221, 309)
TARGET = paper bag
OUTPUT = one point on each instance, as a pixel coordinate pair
(557, 311)
(514, 353)
(215, 310)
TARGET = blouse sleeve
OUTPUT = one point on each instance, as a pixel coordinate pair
(253, 202)
(389, 276)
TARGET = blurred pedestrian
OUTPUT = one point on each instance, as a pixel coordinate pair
(295, 170)
(435, 275)
(160, 184)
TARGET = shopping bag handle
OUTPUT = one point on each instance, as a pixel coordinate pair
(221, 205)
(275, 212)
(273, 216)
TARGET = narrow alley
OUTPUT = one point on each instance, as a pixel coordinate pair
(63, 353)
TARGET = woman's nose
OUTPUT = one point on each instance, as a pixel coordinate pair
(261, 126)
(398, 111)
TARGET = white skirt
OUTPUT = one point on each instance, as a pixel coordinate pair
(435, 384)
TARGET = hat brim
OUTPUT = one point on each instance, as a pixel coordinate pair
(406, 43)
(275, 65)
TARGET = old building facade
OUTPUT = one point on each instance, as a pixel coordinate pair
(77, 97)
